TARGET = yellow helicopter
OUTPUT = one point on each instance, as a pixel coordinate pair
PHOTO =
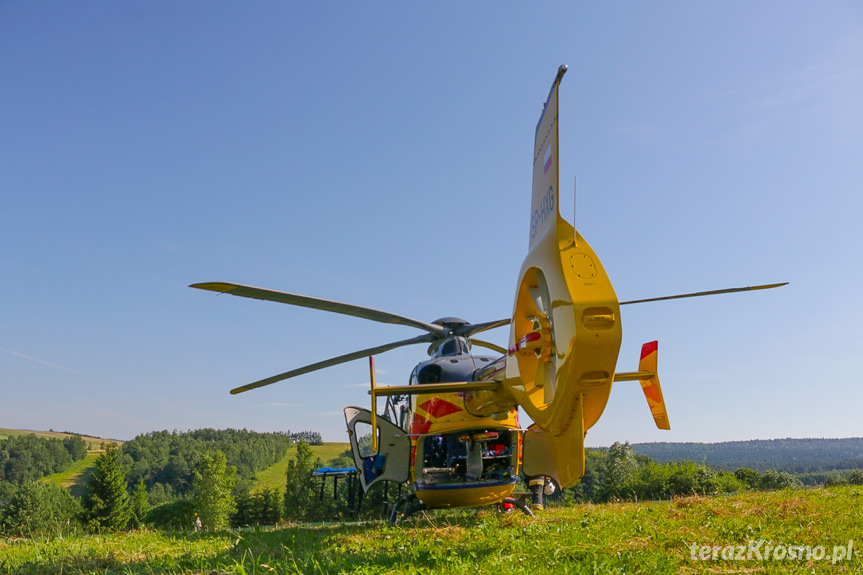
(453, 433)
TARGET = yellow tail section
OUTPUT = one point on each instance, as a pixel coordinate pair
(565, 332)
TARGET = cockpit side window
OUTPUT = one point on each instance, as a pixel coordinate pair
(430, 374)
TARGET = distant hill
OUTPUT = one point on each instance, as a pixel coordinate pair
(797, 456)
(93, 443)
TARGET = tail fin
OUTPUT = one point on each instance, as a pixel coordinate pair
(565, 332)
(650, 386)
(544, 208)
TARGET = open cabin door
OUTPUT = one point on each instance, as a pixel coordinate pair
(392, 460)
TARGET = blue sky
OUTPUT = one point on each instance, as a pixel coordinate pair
(380, 154)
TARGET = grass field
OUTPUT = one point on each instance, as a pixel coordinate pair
(75, 477)
(749, 533)
(274, 476)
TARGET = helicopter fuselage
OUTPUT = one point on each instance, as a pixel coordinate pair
(459, 458)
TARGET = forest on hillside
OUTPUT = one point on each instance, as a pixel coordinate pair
(797, 456)
(166, 461)
(28, 457)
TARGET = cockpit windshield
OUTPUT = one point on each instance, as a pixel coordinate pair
(453, 346)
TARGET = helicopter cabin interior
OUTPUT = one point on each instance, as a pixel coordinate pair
(468, 456)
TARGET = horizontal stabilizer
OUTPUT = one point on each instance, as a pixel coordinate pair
(650, 384)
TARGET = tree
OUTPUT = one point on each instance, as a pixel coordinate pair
(140, 503)
(310, 437)
(748, 476)
(178, 514)
(106, 503)
(260, 508)
(778, 480)
(621, 469)
(299, 484)
(39, 508)
(212, 486)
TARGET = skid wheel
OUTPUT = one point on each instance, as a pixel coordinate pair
(406, 506)
(518, 503)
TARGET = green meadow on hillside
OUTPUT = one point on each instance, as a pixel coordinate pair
(792, 531)
(274, 476)
(75, 477)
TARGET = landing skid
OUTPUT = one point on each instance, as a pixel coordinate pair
(405, 506)
(518, 503)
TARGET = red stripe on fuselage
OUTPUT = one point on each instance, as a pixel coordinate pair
(438, 407)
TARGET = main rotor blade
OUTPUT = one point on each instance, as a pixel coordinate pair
(491, 346)
(701, 293)
(471, 329)
(334, 361)
(322, 304)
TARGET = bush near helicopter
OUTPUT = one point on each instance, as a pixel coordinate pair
(453, 433)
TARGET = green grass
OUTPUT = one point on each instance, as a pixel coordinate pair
(274, 475)
(652, 537)
(75, 477)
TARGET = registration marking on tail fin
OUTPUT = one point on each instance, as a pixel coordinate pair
(544, 204)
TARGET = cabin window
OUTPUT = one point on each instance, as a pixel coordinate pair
(470, 456)
(364, 439)
(430, 374)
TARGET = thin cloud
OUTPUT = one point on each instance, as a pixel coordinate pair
(37, 360)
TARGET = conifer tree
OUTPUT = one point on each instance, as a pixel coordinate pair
(39, 508)
(140, 503)
(106, 503)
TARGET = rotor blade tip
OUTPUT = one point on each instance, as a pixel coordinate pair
(221, 287)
